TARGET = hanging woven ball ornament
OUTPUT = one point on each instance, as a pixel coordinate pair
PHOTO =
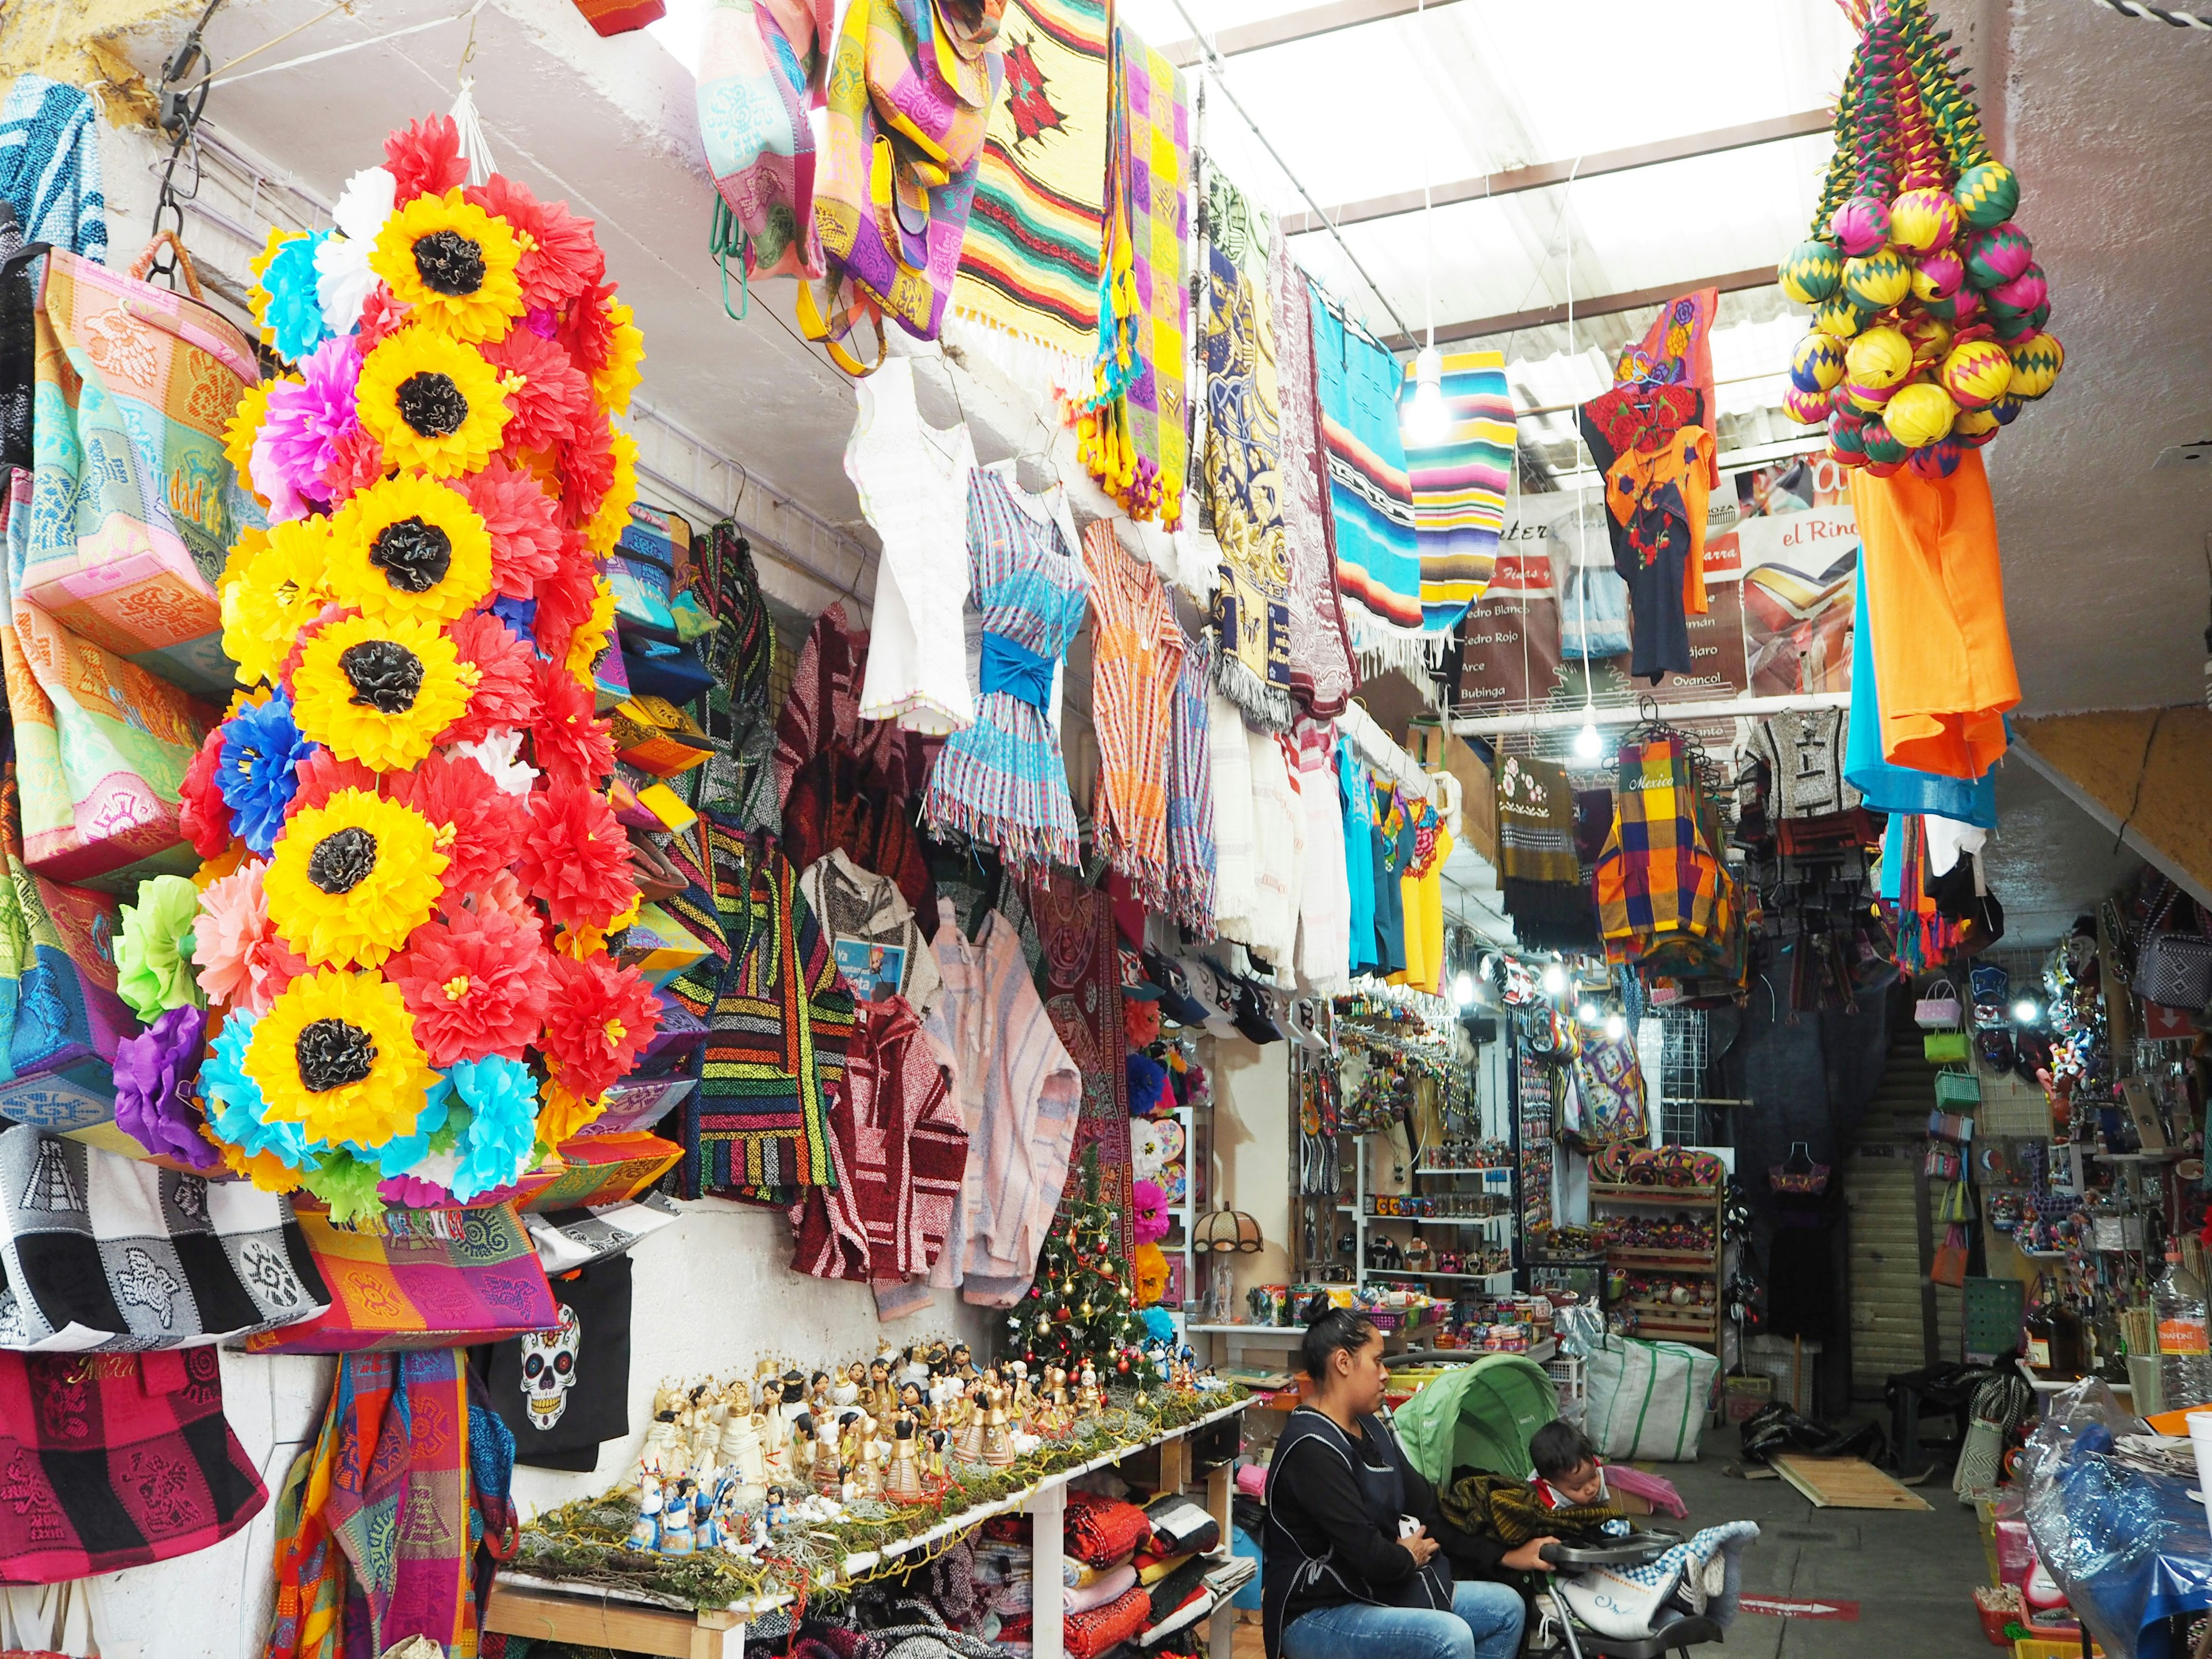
(1812, 272)
(1838, 317)
(1977, 374)
(1987, 194)
(1847, 438)
(1880, 447)
(1878, 360)
(1931, 336)
(2021, 295)
(2036, 362)
(1923, 221)
(1997, 255)
(1806, 408)
(1861, 225)
(1960, 308)
(1818, 363)
(2007, 409)
(1920, 414)
(1974, 427)
(1936, 460)
(1938, 276)
(1883, 469)
(1878, 281)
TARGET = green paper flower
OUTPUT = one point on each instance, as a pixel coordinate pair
(348, 1186)
(153, 948)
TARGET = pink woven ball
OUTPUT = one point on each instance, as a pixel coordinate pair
(2023, 294)
(1883, 469)
(1936, 460)
(1861, 225)
(1938, 276)
(1997, 255)
(1806, 408)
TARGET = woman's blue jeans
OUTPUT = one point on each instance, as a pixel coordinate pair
(1484, 1623)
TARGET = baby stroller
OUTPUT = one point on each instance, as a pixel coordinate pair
(1647, 1595)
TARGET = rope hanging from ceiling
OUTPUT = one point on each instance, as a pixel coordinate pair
(2179, 19)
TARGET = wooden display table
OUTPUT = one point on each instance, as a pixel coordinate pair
(546, 1610)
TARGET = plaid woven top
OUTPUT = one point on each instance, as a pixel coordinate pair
(1002, 781)
(1657, 874)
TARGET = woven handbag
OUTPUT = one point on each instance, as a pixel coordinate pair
(2174, 967)
(1957, 1088)
(1938, 1010)
(1946, 1048)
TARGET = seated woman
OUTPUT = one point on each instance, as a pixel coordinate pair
(1356, 1559)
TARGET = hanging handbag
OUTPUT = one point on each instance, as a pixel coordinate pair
(2174, 967)
(1956, 1205)
(1957, 1088)
(1949, 1268)
(1938, 1008)
(430, 1279)
(1951, 1126)
(106, 1252)
(1946, 1048)
(1942, 1160)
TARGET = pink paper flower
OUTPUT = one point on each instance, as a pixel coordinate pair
(241, 961)
(309, 422)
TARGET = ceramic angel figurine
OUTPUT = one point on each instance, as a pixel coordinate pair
(998, 1442)
(660, 1449)
(675, 1520)
(902, 1479)
(645, 1531)
(845, 1390)
(977, 1407)
(740, 1451)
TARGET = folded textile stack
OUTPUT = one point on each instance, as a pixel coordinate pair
(1101, 1531)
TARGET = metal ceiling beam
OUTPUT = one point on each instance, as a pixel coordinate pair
(1544, 174)
(1604, 305)
(1296, 25)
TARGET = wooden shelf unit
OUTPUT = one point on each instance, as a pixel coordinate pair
(1698, 1324)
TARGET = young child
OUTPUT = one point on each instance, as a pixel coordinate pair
(1567, 1473)
(1567, 1500)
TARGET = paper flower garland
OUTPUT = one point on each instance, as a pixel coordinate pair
(1915, 267)
(410, 866)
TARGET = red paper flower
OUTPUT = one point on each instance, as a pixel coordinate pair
(477, 825)
(525, 523)
(560, 258)
(588, 331)
(565, 598)
(553, 397)
(425, 157)
(381, 317)
(506, 690)
(203, 815)
(476, 984)
(504, 894)
(575, 858)
(569, 744)
(599, 1019)
(587, 466)
(357, 462)
(322, 774)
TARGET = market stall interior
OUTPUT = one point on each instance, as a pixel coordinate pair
(775, 774)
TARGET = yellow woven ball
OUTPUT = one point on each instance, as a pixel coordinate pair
(1877, 281)
(2036, 361)
(1977, 374)
(1931, 336)
(1920, 414)
(1806, 408)
(1975, 427)
(1818, 363)
(1923, 220)
(1839, 316)
(1878, 358)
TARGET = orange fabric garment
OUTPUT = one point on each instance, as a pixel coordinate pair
(1685, 460)
(1943, 654)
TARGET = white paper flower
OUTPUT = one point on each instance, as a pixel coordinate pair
(342, 278)
(496, 752)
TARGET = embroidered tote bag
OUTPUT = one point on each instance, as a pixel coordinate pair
(107, 1252)
(430, 1279)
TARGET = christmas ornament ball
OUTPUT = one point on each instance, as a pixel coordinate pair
(1974, 427)
(1923, 220)
(1877, 281)
(1920, 414)
(1838, 317)
(1977, 374)
(1806, 407)
(1817, 364)
(1882, 447)
(1878, 359)
(2036, 361)
(1936, 460)
(1938, 276)
(1987, 194)
(1996, 256)
(1860, 225)
(1811, 273)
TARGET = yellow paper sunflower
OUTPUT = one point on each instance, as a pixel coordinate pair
(406, 546)
(625, 351)
(590, 637)
(336, 1054)
(607, 525)
(562, 1111)
(432, 402)
(451, 264)
(379, 691)
(245, 425)
(270, 590)
(267, 1171)
(350, 879)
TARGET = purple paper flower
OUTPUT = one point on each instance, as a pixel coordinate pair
(307, 420)
(155, 1071)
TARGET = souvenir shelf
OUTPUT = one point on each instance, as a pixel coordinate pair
(1699, 1323)
(1180, 1246)
(1492, 1230)
(1532, 1140)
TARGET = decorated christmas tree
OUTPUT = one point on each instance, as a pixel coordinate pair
(1078, 1307)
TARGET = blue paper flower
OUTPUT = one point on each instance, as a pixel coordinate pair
(294, 316)
(502, 1096)
(402, 1152)
(260, 747)
(235, 1110)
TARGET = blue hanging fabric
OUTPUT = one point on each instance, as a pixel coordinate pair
(50, 166)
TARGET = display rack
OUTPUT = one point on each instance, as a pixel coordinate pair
(1181, 1243)
(1700, 1325)
(1492, 1230)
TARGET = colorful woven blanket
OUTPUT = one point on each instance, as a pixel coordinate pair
(1458, 485)
(1379, 568)
(1322, 674)
(1030, 265)
(1242, 458)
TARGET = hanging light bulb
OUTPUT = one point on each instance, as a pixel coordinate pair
(1588, 744)
(1463, 989)
(1590, 1013)
(2024, 1011)
(1616, 1027)
(1555, 979)
(1427, 421)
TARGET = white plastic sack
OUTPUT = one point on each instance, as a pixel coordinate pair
(1649, 1400)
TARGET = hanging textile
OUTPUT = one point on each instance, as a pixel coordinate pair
(1538, 872)
(1458, 485)
(1191, 850)
(1324, 897)
(1241, 457)
(1379, 567)
(739, 781)
(1677, 349)
(1665, 900)
(1135, 428)
(50, 166)
(1082, 994)
(1897, 789)
(757, 62)
(1322, 675)
(1136, 659)
(1030, 266)
(1942, 655)
(1656, 451)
